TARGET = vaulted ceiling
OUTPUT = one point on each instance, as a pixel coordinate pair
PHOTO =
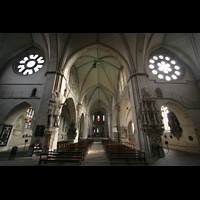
(98, 83)
(101, 83)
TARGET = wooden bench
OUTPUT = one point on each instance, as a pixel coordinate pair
(60, 158)
(127, 157)
(119, 153)
(130, 144)
(63, 144)
(75, 152)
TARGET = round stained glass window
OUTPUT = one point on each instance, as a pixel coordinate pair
(164, 67)
(29, 64)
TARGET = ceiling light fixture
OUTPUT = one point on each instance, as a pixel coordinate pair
(96, 62)
(94, 65)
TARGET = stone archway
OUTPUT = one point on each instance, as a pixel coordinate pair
(188, 141)
(20, 128)
(124, 117)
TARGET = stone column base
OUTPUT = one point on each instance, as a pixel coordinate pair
(50, 139)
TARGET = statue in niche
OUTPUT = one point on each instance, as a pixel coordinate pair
(54, 109)
(72, 131)
(174, 125)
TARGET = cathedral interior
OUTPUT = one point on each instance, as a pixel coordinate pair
(137, 89)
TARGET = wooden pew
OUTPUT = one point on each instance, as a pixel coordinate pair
(60, 158)
(119, 153)
(127, 157)
(130, 144)
(75, 152)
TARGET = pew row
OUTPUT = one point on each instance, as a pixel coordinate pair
(119, 154)
(75, 152)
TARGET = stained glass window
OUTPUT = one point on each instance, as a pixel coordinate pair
(165, 111)
(103, 117)
(29, 117)
(98, 118)
(93, 118)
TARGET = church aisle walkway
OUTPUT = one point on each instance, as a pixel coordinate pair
(96, 156)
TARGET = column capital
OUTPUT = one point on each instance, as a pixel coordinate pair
(137, 74)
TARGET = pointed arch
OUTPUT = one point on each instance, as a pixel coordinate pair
(66, 66)
(15, 112)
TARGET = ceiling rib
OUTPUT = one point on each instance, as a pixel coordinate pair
(86, 77)
(109, 78)
(110, 64)
(84, 64)
(105, 96)
(94, 86)
(91, 96)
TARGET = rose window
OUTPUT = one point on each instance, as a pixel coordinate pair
(29, 64)
(164, 67)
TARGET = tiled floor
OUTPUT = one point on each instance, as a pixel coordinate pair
(97, 157)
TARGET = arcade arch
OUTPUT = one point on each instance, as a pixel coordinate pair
(68, 116)
(97, 68)
(20, 119)
(189, 139)
(125, 118)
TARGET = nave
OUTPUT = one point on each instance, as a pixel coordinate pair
(97, 157)
(142, 89)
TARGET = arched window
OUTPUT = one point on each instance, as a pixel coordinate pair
(34, 92)
(29, 117)
(165, 111)
(158, 92)
(122, 80)
(133, 128)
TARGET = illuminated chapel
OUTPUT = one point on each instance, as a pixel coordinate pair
(140, 90)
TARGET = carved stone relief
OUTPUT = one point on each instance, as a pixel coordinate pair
(150, 116)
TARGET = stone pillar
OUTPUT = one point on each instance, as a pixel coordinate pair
(53, 122)
(142, 141)
(50, 139)
(58, 81)
(86, 126)
(110, 126)
(118, 133)
(41, 118)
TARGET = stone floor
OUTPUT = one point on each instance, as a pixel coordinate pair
(97, 157)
